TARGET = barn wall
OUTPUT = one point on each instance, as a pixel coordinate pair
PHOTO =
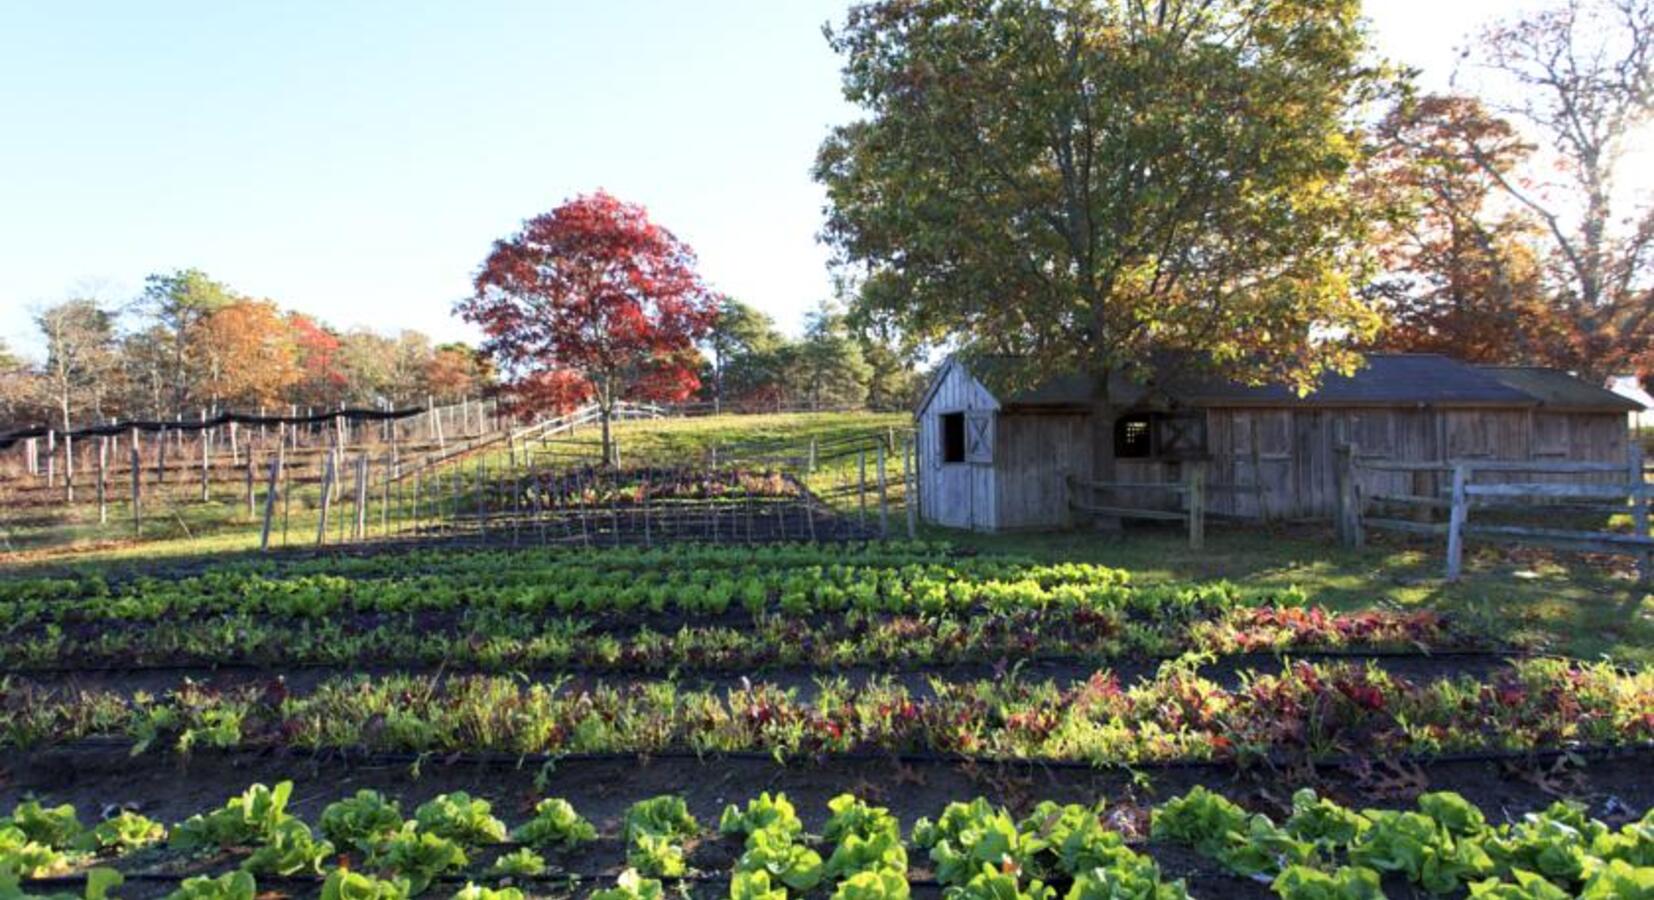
(958, 495)
(1293, 451)
(1034, 455)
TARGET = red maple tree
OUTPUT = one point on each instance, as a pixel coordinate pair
(591, 302)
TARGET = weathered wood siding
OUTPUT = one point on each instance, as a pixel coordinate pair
(1293, 451)
(958, 495)
(1035, 454)
(1019, 461)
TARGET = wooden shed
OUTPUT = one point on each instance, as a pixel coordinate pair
(999, 463)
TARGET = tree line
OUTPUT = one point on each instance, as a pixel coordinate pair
(190, 343)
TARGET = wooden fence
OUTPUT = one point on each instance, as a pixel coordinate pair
(1545, 486)
(1191, 492)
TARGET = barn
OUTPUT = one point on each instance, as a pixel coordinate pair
(998, 460)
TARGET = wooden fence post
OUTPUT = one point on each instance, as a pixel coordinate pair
(327, 496)
(1197, 505)
(250, 466)
(1349, 496)
(884, 499)
(51, 458)
(68, 467)
(269, 500)
(360, 530)
(1455, 522)
(103, 477)
(137, 489)
(204, 434)
(909, 494)
(861, 487)
(1639, 508)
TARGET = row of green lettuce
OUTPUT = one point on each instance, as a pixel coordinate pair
(486, 639)
(364, 847)
(1304, 710)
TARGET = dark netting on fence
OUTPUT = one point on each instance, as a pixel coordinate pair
(11, 439)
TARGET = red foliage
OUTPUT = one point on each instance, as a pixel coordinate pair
(592, 301)
(321, 373)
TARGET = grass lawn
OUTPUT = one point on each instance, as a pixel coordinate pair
(1555, 603)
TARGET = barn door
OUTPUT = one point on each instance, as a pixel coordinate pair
(979, 437)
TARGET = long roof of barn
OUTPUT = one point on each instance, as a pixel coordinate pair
(1386, 379)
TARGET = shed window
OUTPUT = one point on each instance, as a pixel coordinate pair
(953, 437)
(1133, 438)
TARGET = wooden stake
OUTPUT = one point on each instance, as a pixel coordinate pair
(327, 496)
(68, 467)
(884, 498)
(103, 477)
(203, 436)
(1639, 507)
(1455, 522)
(910, 496)
(1197, 505)
(361, 527)
(137, 490)
(269, 499)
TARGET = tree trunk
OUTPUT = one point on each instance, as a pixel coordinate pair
(1104, 414)
(604, 412)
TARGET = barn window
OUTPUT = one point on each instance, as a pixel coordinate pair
(1133, 438)
(953, 437)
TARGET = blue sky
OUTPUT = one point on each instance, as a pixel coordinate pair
(355, 160)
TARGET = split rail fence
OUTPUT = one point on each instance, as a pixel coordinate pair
(1452, 488)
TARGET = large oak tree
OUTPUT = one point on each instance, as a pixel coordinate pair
(592, 302)
(1092, 185)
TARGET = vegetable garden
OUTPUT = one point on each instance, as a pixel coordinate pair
(859, 719)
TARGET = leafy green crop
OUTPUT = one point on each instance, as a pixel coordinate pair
(555, 823)
(419, 856)
(631, 886)
(460, 818)
(342, 884)
(229, 886)
(763, 812)
(881, 884)
(1347, 883)
(362, 821)
(519, 862)
(773, 850)
(250, 819)
(290, 850)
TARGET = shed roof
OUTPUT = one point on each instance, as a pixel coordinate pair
(1387, 379)
(1557, 389)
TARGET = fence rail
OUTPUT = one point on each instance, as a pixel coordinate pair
(1191, 491)
(1633, 494)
